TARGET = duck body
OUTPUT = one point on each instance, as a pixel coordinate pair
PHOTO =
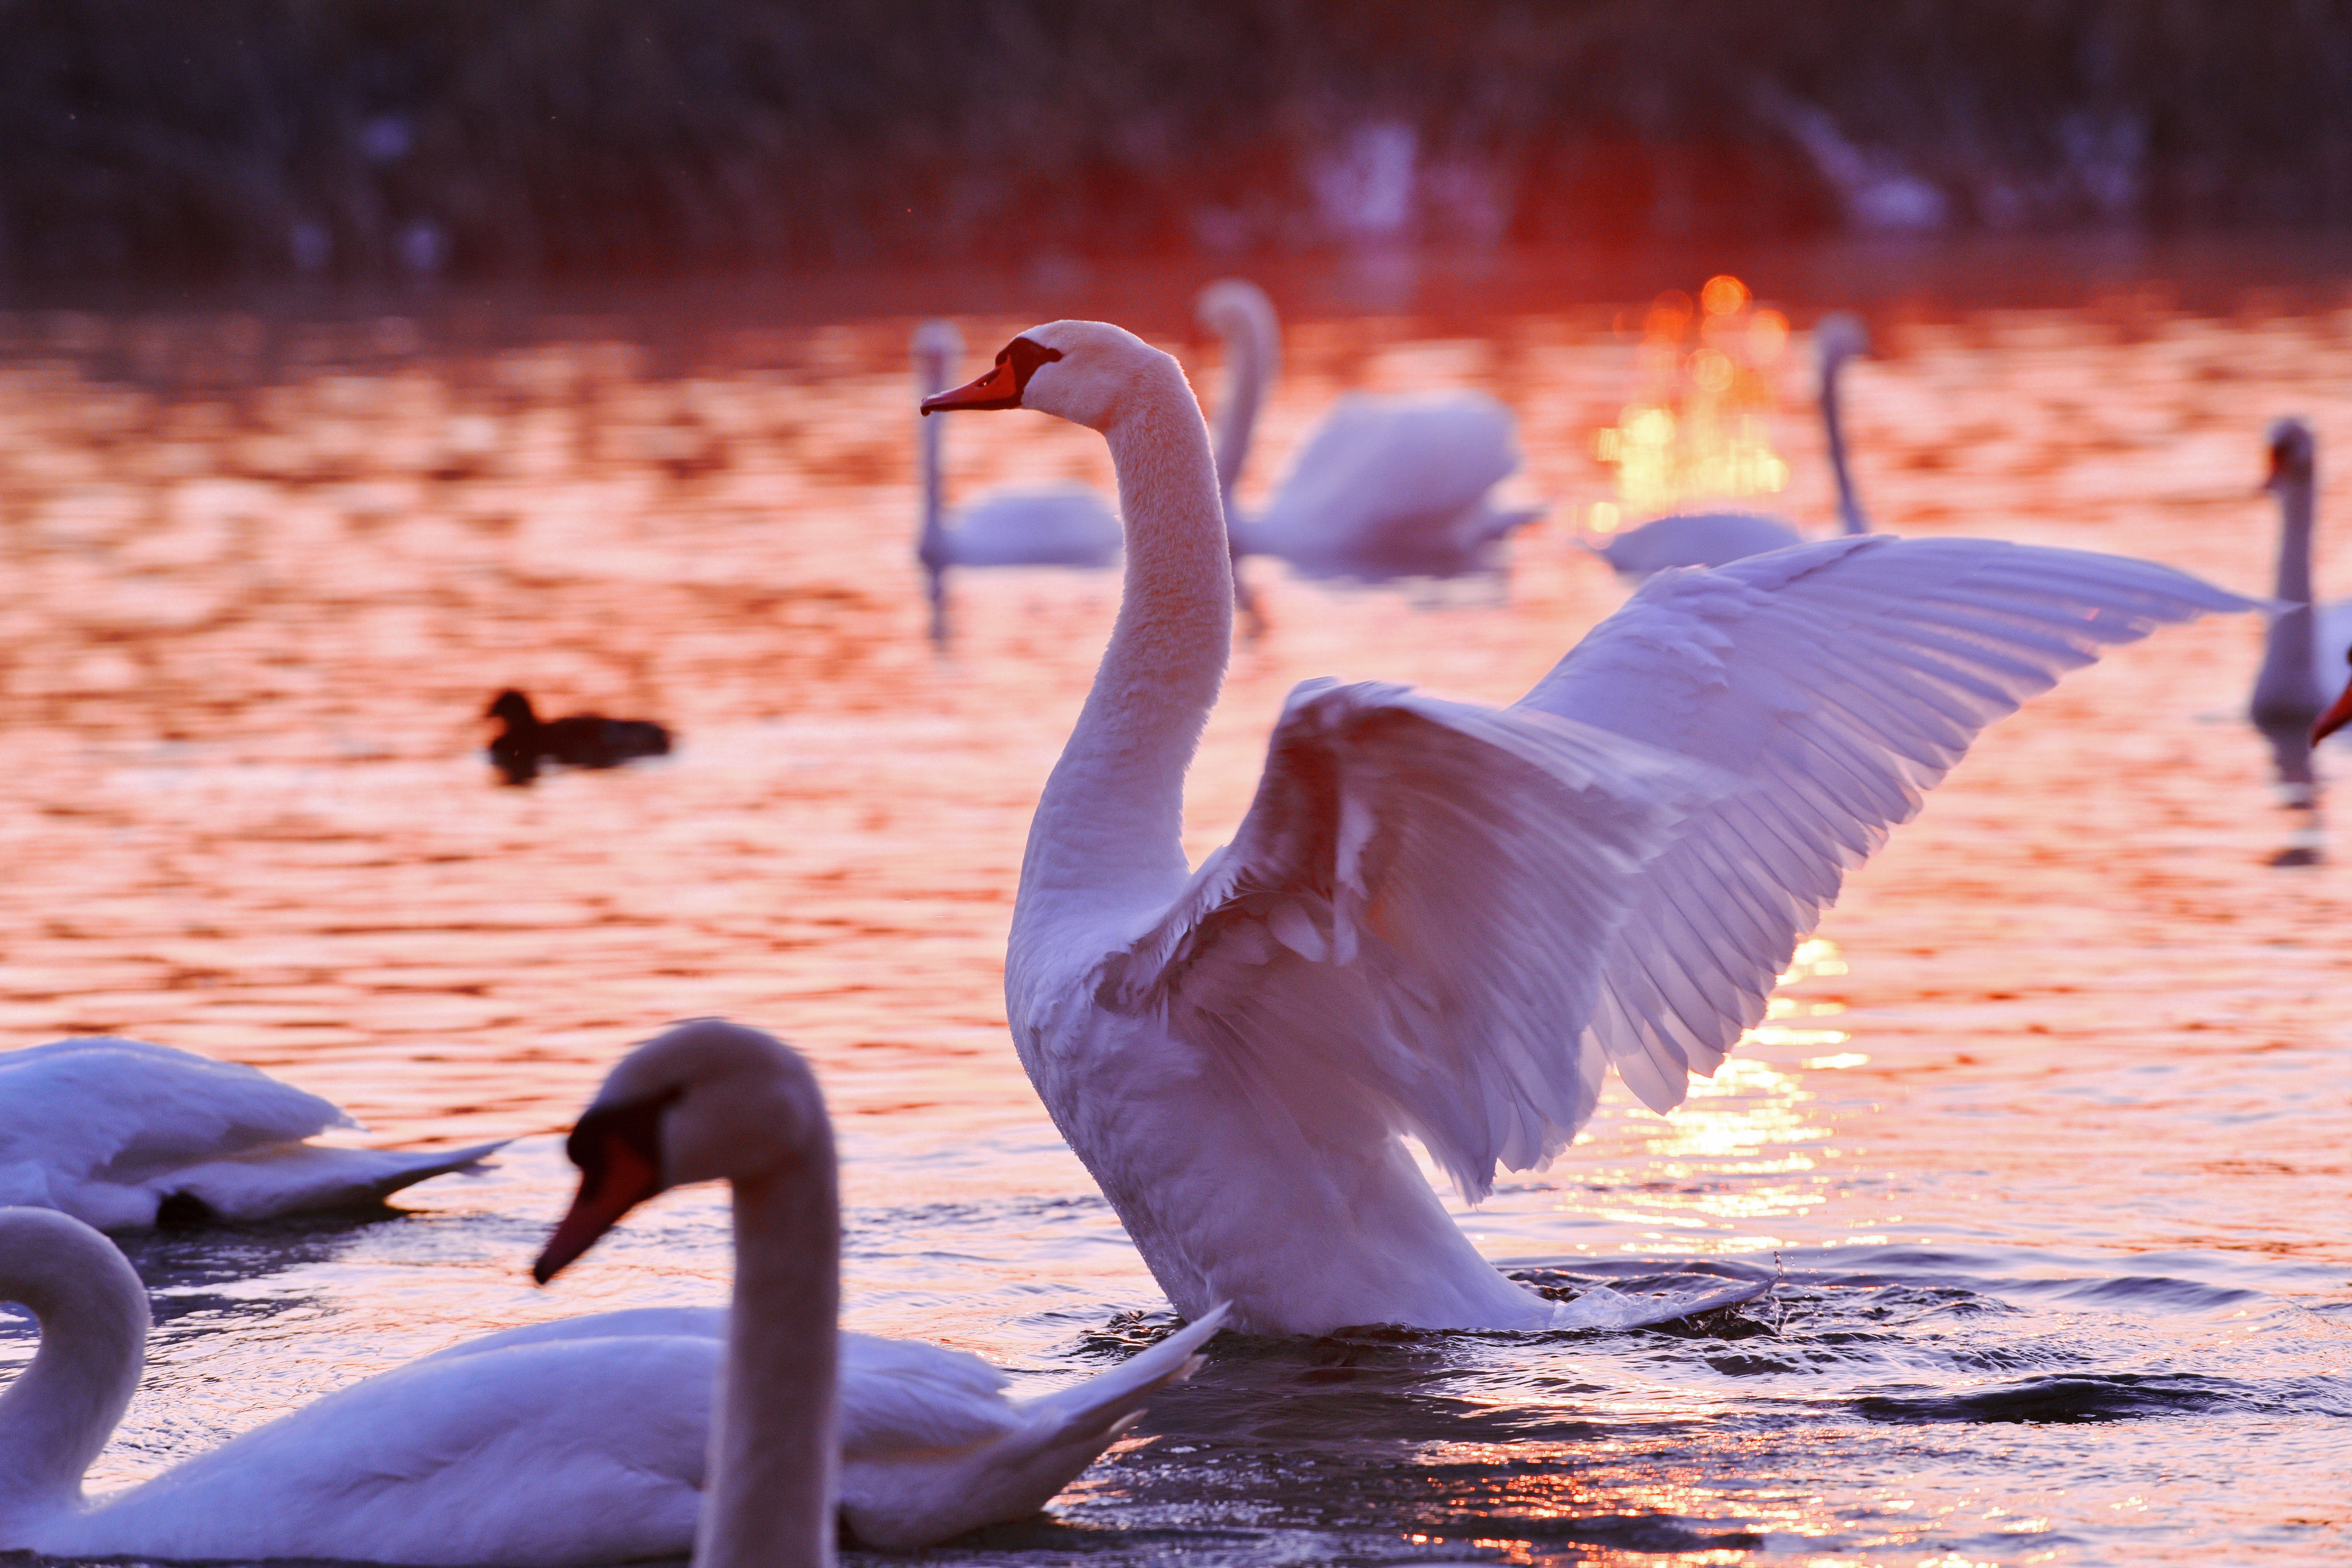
(122, 1133)
(577, 740)
(1449, 921)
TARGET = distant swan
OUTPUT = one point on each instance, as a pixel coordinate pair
(1387, 486)
(1717, 538)
(2304, 653)
(577, 740)
(1448, 921)
(585, 1440)
(1038, 525)
(121, 1133)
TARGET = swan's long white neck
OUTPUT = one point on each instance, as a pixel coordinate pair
(931, 544)
(769, 1499)
(60, 1410)
(1253, 343)
(1851, 517)
(2286, 690)
(1107, 839)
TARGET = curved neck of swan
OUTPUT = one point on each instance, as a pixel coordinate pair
(2287, 689)
(769, 1499)
(1108, 829)
(931, 545)
(1253, 350)
(1851, 517)
(60, 1410)
(2293, 581)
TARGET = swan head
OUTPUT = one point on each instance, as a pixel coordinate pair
(1088, 372)
(2293, 452)
(1237, 309)
(705, 1102)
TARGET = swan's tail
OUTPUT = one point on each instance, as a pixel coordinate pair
(296, 1178)
(900, 1503)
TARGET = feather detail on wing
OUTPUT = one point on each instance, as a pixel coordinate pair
(1411, 913)
(1836, 684)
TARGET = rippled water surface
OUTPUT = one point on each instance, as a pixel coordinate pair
(2046, 1145)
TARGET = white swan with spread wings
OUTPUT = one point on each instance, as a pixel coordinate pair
(1449, 921)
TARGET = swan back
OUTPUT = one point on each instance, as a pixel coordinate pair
(84, 1121)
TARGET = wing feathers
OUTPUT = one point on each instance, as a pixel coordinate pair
(1434, 883)
(1837, 684)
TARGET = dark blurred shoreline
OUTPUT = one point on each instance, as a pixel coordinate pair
(202, 337)
(169, 141)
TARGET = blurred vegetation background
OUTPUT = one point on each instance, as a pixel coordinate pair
(209, 139)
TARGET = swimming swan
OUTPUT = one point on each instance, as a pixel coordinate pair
(1386, 486)
(1038, 525)
(2303, 668)
(580, 1441)
(121, 1133)
(1719, 538)
(1449, 921)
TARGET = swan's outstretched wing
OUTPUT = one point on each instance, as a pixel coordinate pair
(1836, 684)
(128, 1110)
(1412, 912)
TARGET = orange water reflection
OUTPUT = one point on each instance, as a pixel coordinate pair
(2070, 1009)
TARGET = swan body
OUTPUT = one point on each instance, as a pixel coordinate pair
(1719, 538)
(1386, 486)
(1043, 525)
(926, 1446)
(930, 1446)
(120, 1134)
(1450, 921)
(585, 1440)
(2299, 691)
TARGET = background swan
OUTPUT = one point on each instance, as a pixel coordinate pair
(578, 1441)
(1450, 921)
(120, 1134)
(2303, 668)
(1385, 486)
(1039, 525)
(1716, 538)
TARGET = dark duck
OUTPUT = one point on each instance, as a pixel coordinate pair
(578, 740)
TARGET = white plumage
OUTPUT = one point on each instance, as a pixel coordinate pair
(583, 1440)
(113, 1131)
(1385, 486)
(1448, 921)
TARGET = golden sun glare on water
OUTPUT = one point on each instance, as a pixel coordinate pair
(1698, 423)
